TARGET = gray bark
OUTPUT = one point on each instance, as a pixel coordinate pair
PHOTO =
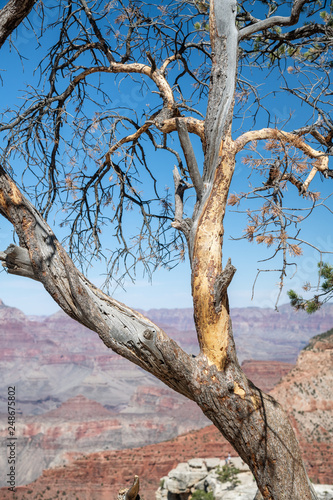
(191, 161)
(16, 260)
(253, 422)
(274, 20)
(223, 80)
(224, 40)
(13, 13)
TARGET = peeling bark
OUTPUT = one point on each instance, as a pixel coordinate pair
(245, 415)
(212, 326)
(222, 283)
(206, 237)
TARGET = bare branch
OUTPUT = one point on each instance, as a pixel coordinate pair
(223, 34)
(274, 21)
(179, 223)
(190, 157)
(120, 328)
(193, 126)
(321, 164)
(16, 261)
(97, 32)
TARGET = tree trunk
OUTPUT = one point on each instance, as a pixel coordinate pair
(252, 422)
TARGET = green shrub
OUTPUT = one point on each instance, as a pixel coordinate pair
(228, 473)
(202, 495)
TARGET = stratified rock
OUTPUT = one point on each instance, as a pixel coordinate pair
(306, 393)
(266, 374)
(74, 394)
(100, 475)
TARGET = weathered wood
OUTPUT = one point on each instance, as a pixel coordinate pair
(246, 415)
(183, 225)
(190, 158)
(221, 284)
(131, 493)
(224, 41)
(16, 261)
(253, 422)
(207, 235)
(121, 328)
(211, 313)
(12, 14)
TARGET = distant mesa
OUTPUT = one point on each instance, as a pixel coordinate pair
(79, 408)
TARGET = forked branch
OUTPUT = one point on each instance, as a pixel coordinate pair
(274, 21)
(321, 163)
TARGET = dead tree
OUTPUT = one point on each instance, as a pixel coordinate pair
(155, 50)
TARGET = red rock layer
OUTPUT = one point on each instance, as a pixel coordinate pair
(99, 476)
(266, 374)
(306, 394)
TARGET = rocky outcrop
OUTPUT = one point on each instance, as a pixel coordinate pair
(73, 394)
(99, 476)
(201, 474)
(231, 481)
(306, 393)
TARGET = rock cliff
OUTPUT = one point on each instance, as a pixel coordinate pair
(306, 393)
(81, 425)
(99, 476)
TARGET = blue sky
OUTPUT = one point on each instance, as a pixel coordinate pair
(171, 289)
